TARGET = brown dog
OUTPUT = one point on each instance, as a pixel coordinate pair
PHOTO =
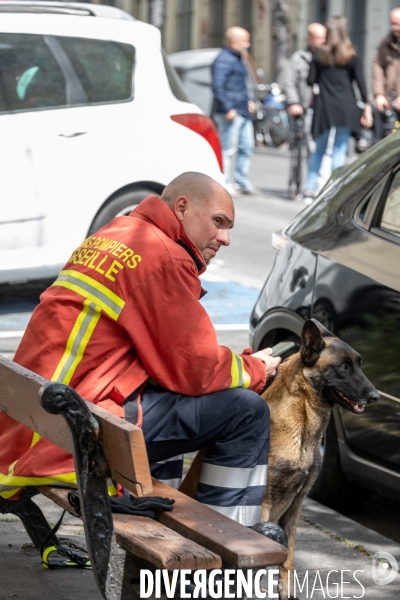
(325, 372)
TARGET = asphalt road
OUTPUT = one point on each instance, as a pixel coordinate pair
(233, 280)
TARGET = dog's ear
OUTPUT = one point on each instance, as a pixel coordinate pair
(324, 331)
(312, 341)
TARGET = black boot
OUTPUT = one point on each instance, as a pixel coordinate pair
(271, 531)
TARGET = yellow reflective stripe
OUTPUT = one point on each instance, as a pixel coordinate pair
(234, 371)
(11, 468)
(245, 377)
(77, 342)
(7, 494)
(35, 438)
(112, 490)
(240, 377)
(92, 290)
(11, 481)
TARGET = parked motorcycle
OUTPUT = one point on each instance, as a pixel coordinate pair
(271, 123)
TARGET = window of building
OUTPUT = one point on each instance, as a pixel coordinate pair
(105, 68)
(29, 76)
(355, 14)
(246, 15)
(217, 28)
(184, 19)
(319, 10)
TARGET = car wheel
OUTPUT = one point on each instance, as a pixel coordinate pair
(332, 487)
(117, 207)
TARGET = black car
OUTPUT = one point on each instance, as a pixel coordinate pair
(339, 262)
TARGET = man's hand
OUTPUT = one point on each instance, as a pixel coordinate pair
(295, 110)
(396, 103)
(367, 120)
(251, 106)
(381, 102)
(271, 363)
(231, 115)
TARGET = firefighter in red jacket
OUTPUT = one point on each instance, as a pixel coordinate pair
(123, 325)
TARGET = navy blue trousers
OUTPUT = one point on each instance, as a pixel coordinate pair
(232, 424)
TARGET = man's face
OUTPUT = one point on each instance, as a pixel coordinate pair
(395, 23)
(207, 224)
(316, 39)
(241, 42)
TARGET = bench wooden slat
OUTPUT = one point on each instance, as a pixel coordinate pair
(150, 540)
(161, 546)
(235, 544)
(124, 447)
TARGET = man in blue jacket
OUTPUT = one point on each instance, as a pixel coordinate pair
(233, 108)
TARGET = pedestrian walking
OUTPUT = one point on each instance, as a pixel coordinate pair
(233, 108)
(334, 67)
(386, 73)
(298, 100)
(298, 93)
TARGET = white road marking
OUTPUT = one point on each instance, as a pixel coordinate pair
(11, 334)
(231, 327)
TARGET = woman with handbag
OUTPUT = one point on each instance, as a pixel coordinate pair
(334, 67)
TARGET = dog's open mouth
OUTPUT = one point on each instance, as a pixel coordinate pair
(357, 407)
(347, 403)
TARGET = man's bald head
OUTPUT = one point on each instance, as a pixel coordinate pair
(395, 22)
(196, 186)
(316, 35)
(238, 39)
(204, 209)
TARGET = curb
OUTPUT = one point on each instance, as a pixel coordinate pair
(360, 537)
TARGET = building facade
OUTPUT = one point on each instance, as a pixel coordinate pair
(276, 26)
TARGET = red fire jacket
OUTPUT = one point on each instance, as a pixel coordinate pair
(124, 308)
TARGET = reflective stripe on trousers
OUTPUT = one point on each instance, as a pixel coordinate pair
(233, 425)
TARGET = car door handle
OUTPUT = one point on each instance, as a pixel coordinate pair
(72, 135)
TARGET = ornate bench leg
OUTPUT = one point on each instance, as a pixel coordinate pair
(92, 472)
(31, 516)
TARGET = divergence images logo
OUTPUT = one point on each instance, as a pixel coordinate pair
(384, 568)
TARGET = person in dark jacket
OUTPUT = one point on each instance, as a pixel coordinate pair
(233, 108)
(386, 73)
(386, 66)
(334, 67)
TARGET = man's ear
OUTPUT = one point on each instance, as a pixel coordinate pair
(312, 341)
(180, 207)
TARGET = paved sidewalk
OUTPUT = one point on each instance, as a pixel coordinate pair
(326, 542)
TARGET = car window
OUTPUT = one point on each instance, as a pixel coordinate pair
(173, 79)
(105, 68)
(390, 220)
(29, 76)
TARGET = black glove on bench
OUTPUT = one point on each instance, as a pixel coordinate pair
(128, 505)
(143, 507)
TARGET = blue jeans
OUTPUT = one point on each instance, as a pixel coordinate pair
(339, 154)
(233, 425)
(236, 136)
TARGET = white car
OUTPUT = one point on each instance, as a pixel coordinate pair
(92, 120)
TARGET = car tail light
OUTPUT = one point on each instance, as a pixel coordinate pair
(279, 240)
(204, 126)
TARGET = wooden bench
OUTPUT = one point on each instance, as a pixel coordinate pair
(192, 536)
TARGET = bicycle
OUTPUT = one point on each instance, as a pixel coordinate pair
(297, 140)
